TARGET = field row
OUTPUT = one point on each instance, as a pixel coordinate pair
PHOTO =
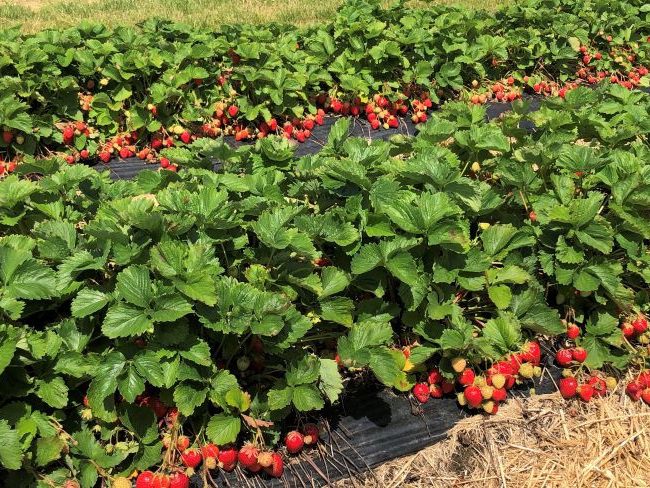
(98, 93)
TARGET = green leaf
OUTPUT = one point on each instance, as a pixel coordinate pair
(188, 397)
(500, 295)
(48, 449)
(307, 397)
(280, 396)
(333, 281)
(223, 429)
(125, 320)
(371, 332)
(134, 285)
(130, 384)
(88, 301)
(330, 379)
(304, 371)
(337, 309)
(504, 333)
(11, 454)
(141, 421)
(53, 391)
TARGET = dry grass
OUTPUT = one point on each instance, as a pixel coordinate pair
(36, 15)
(539, 442)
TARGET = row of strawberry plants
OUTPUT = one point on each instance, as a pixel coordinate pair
(229, 307)
(94, 92)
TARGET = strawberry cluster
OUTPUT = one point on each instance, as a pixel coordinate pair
(636, 328)
(294, 441)
(639, 387)
(591, 385)
(483, 391)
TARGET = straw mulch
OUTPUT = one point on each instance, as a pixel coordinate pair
(542, 441)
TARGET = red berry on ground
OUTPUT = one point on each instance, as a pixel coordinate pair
(585, 392)
(179, 480)
(191, 458)
(248, 455)
(473, 396)
(144, 480)
(294, 442)
(311, 434)
(564, 357)
(579, 354)
(466, 377)
(421, 392)
(568, 387)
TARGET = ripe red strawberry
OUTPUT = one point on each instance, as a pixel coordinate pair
(585, 392)
(273, 125)
(68, 134)
(210, 450)
(70, 159)
(645, 396)
(499, 394)
(160, 481)
(568, 387)
(277, 466)
(473, 396)
(572, 331)
(531, 352)
(228, 457)
(311, 434)
(164, 163)
(179, 480)
(294, 442)
(144, 480)
(510, 80)
(634, 390)
(105, 157)
(644, 378)
(7, 136)
(186, 137)
(640, 324)
(434, 377)
(421, 392)
(628, 329)
(435, 391)
(191, 458)
(125, 153)
(247, 456)
(586, 59)
(466, 377)
(182, 443)
(579, 354)
(233, 110)
(564, 357)
(308, 124)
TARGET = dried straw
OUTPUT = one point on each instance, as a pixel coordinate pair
(542, 441)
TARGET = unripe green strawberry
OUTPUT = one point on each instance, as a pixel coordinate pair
(498, 380)
(527, 370)
(458, 364)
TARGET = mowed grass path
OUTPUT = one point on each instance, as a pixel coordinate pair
(35, 15)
